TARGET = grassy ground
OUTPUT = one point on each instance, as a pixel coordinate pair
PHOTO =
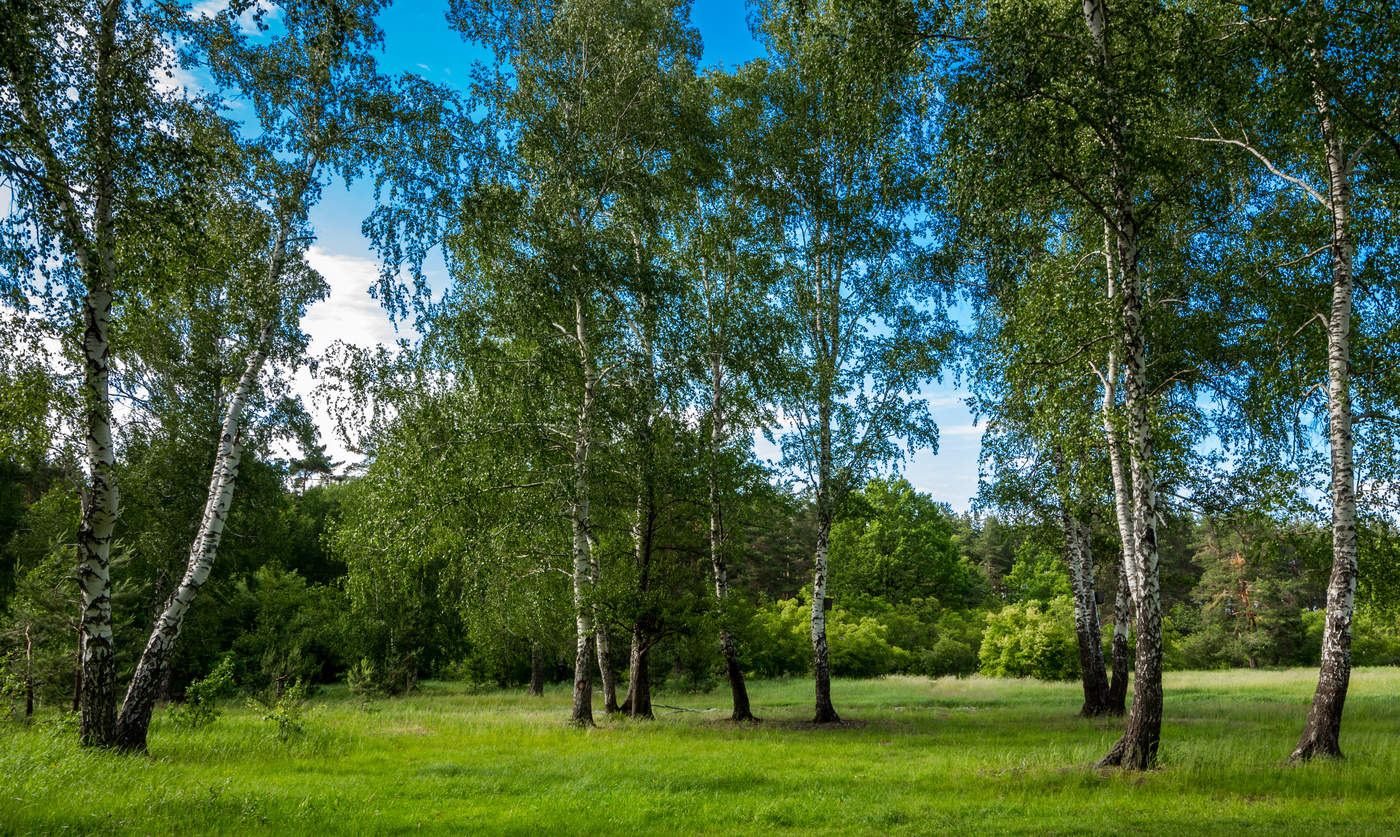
(916, 756)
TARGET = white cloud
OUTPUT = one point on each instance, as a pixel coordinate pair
(960, 430)
(347, 313)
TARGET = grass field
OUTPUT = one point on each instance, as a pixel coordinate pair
(916, 756)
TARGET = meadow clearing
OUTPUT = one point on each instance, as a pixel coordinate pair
(915, 756)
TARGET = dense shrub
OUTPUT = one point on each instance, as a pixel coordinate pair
(1031, 640)
(948, 656)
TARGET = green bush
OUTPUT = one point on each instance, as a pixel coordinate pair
(948, 657)
(859, 647)
(285, 710)
(1375, 638)
(776, 640)
(1031, 640)
(199, 707)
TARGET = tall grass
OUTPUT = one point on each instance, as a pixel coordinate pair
(916, 757)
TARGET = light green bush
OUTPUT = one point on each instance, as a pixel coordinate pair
(1031, 640)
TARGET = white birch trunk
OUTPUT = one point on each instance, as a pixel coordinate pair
(1321, 735)
(580, 520)
(1137, 749)
(142, 691)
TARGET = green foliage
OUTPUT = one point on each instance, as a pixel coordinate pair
(948, 656)
(1031, 639)
(199, 706)
(869, 639)
(1037, 574)
(284, 708)
(897, 543)
(1375, 638)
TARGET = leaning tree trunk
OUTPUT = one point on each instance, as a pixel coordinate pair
(1086, 620)
(141, 694)
(1080, 563)
(1321, 735)
(605, 660)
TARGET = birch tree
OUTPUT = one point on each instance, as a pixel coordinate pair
(79, 116)
(732, 345)
(862, 295)
(1314, 126)
(308, 88)
(1074, 104)
(584, 95)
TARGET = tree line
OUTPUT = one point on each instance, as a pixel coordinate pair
(1154, 237)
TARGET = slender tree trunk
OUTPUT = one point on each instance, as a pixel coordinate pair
(738, 690)
(145, 683)
(98, 699)
(1086, 621)
(1080, 563)
(28, 674)
(1321, 735)
(1122, 616)
(1122, 504)
(821, 658)
(638, 704)
(605, 663)
(1137, 749)
(584, 569)
(536, 670)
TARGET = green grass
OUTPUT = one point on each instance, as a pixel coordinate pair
(919, 757)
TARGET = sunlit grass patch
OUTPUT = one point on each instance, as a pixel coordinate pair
(916, 757)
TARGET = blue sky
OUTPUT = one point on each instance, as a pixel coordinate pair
(418, 40)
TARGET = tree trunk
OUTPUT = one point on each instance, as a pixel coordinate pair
(1080, 563)
(1122, 610)
(536, 670)
(605, 667)
(1321, 735)
(98, 700)
(638, 702)
(28, 674)
(821, 658)
(145, 683)
(584, 568)
(1122, 492)
(738, 690)
(1122, 504)
(1086, 619)
(1137, 749)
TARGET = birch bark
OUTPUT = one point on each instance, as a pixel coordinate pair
(1122, 503)
(584, 569)
(141, 693)
(1079, 560)
(1323, 729)
(738, 690)
(1137, 749)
